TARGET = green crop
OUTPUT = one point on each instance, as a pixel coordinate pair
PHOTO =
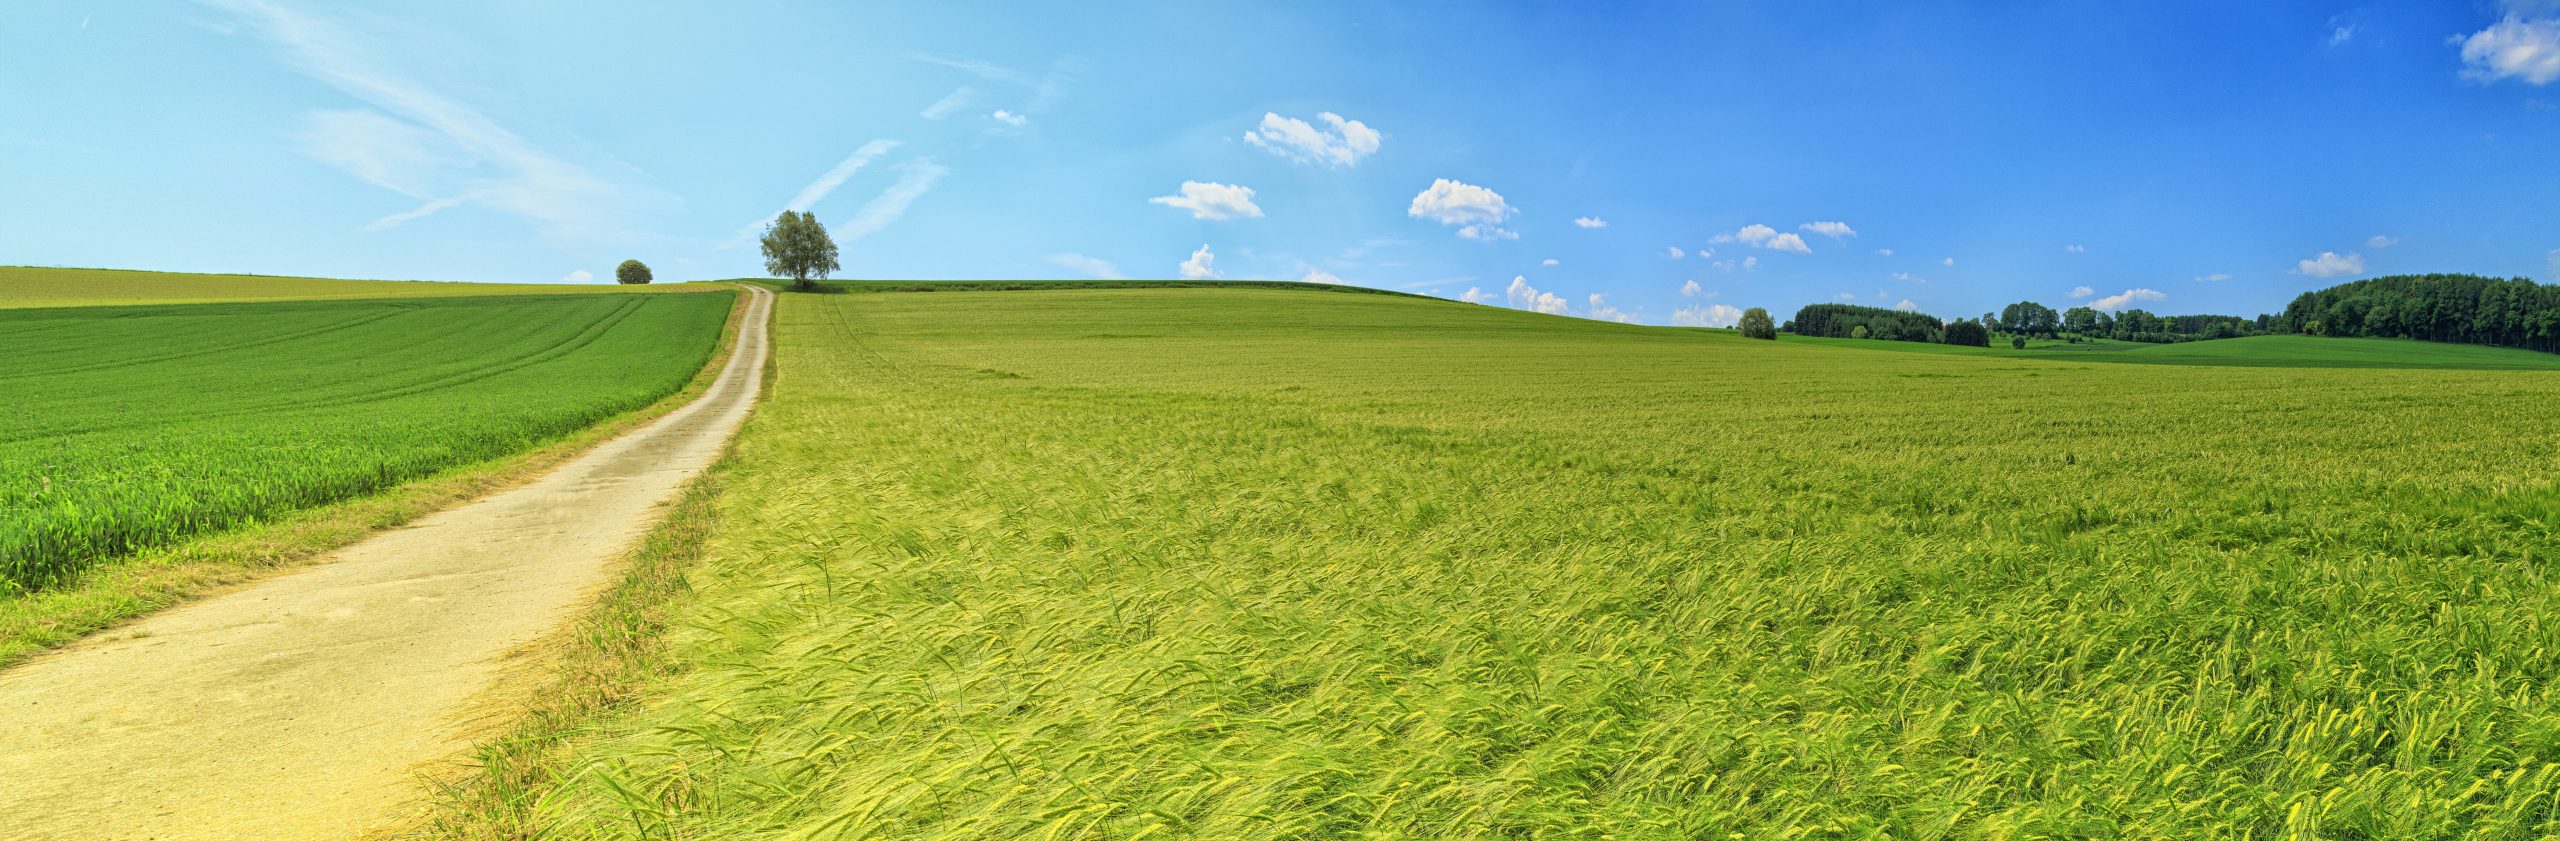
(28, 286)
(128, 427)
(1259, 564)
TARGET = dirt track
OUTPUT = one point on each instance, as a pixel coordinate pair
(302, 706)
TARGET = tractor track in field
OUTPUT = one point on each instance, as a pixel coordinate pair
(312, 705)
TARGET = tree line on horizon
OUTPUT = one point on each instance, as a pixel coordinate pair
(2458, 308)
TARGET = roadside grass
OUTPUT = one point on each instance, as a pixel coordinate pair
(1261, 564)
(30, 286)
(156, 578)
(838, 287)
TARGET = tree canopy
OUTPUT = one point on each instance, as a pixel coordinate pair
(2468, 309)
(797, 246)
(1755, 324)
(1838, 321)
(631, 272)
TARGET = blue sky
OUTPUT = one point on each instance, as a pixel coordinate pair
(2180, 157)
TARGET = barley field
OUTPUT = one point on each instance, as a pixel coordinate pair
(128, 427)
(1270, 564)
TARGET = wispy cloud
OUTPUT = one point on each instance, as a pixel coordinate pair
(2521, 47)
(1046, 88)
(435, 149)
(950, 103)
(1590, 222)
(915, 178)
(1093, 267)
(810, 194)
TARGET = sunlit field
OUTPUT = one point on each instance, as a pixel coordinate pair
(1271, 564)
(123, 428)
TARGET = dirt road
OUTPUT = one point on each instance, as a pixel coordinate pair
(300, 707)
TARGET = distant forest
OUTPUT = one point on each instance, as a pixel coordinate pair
(2468, 309)
(1850, 321)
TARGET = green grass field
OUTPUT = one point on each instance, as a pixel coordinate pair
(1268, 564)
(23, 286)
(128, 427)
(2280, 351)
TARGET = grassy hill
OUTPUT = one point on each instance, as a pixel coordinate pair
(1260, 563)
(24, 286)
(2282, 351)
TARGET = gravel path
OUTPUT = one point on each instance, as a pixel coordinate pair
(302, 707)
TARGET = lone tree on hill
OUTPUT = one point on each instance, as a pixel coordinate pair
(796, 246)
(1755, 325)
(631, 272)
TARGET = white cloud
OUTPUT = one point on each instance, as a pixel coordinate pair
(1908, 277)
(2216, 277)
(915, 178)
(2126, 298)
(1346, 144)
(1749, 263)
(438, 151)
(1590, 222)
(827, 183)
(1009, 118)
(1211, 200)
(1907, 306)
(1547, 262)
(1475, 296)
(1767, 237)
(1885, 251)
(2075, 248)
(579, 276)
(1674, 252)
(2513, 48)
(2082, 291)
(1706, 315)
(2341, 35)
(1198, 267)
(1691, 289)
(1088, 266)
(1319, 276)
(1949, 262)
(1458, 203)
(2329, 264)
(1846, 296)
(950, 103)
(2380, 241)
(1834, 230)
(1601, 310)
(1523, 296)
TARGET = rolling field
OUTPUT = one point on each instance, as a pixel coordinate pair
(24, 286)
(128, 427)
(1263, 564)
(2277, 351)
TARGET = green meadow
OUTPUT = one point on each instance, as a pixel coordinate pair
(129, 427)
(1258, 563)
(25, 287)
(2270, 351)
